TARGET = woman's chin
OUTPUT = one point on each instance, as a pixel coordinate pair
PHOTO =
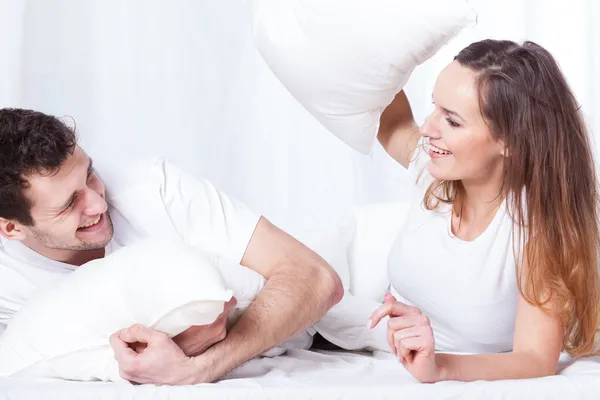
(440, 173)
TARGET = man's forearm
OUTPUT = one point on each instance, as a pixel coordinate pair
(290, 301)
(491, 367)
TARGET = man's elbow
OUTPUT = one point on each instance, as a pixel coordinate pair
(331, 287)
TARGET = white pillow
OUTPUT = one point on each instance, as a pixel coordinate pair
(377, 226)
(64, 332)
(344, 61)
(374, 229)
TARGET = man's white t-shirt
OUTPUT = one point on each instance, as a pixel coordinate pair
(467, 289)
(146, 199)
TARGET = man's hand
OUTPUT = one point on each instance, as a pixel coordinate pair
(160, 362)
(301, 287)
(197, 339)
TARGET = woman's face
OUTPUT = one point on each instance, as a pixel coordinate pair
(460, 142)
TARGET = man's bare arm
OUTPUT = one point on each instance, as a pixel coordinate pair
(301, 287)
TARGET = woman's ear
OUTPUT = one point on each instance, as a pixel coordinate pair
(503, 149)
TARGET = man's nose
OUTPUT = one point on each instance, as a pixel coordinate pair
(94, 203)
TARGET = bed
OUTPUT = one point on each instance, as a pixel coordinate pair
(304, 374)
(334, 374)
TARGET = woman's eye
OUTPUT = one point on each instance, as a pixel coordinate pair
(452, 123)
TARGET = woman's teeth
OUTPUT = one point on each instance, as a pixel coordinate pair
(438, 150)
(94, 222)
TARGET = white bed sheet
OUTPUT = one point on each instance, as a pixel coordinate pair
(324, 375)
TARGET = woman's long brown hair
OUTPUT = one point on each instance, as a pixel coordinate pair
(549, 179)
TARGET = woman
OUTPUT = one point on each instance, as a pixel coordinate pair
(495, 270)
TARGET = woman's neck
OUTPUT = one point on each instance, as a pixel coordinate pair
(482, 196)
(479, 203)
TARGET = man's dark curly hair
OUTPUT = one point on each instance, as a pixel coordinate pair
(30, 143)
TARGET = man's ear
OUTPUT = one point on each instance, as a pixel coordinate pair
(12, 230)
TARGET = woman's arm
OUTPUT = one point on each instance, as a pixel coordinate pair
(398, 131)
(537, 345)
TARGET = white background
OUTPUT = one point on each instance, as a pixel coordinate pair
(182, 79)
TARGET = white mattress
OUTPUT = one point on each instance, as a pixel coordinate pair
(325, 375)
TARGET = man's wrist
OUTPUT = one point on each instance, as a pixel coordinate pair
(196, 371)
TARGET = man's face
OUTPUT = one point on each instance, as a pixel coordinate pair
(68, 208)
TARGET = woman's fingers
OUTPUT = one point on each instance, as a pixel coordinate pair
(414, 339)
(404, 353)
(391, 341)
(389, 298)
(404, 326)
(399, 323)
(410, 338)
(395, 309)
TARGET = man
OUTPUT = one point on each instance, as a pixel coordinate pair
(55, 215)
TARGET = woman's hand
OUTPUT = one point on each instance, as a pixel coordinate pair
(410, 337)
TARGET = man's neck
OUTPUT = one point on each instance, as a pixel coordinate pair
(72, 257)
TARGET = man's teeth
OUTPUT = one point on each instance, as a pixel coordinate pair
(94, 222)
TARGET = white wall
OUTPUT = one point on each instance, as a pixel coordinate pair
(182, 79)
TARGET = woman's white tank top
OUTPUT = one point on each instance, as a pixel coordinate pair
(467, 289)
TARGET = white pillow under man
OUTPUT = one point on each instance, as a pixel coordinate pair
(56, 214)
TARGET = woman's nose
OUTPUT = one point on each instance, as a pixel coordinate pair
(430, 128)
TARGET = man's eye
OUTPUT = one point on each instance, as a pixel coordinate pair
(71, 204)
